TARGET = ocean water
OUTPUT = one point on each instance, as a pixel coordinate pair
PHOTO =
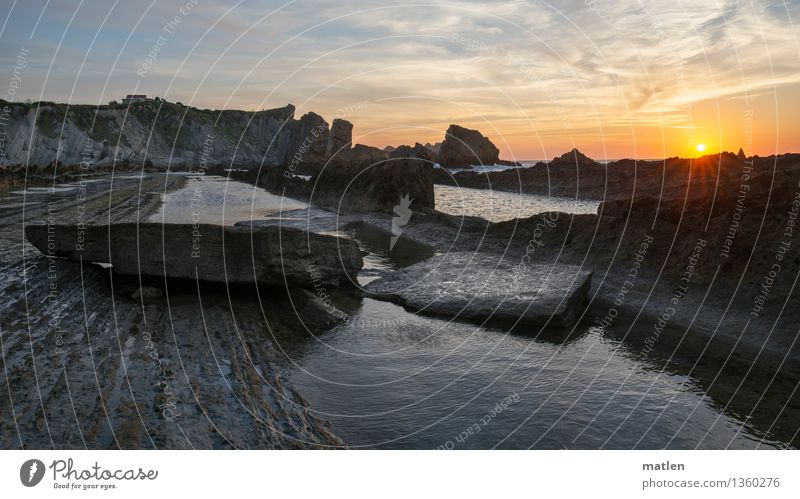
(211, 199)
(497, 206)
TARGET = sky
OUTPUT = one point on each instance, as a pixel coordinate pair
(621, 78)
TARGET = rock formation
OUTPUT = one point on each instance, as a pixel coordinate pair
(478, 287)
(235, 255)
(374, 182)
(463, 147)
(340, 141)
(361, 154)
(164, 134)
(574, 158)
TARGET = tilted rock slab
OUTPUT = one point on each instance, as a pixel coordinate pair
(268, 255)
(480, 287)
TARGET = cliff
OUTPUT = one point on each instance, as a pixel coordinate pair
(163, 134)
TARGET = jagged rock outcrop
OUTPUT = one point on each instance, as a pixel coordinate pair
(163, 134)
(270, 256)
(435, 148)
(573, 174)
(377, 183)
(361, 154)
(159, 132)
(340, 140)
(740, 155)
(574, 158)
(463, 147)
(308, 145)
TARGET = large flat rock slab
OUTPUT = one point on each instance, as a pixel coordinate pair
(482, 287)
(269, 255)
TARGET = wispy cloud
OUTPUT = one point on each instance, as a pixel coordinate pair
(537, 76)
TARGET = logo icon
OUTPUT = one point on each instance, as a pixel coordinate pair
(402, 215)
(31, 472)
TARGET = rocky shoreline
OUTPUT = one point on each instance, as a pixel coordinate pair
(95, 363)
(704, 251)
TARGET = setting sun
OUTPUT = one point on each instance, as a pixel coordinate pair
(701, 147)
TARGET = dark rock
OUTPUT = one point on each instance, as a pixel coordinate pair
(434, 147)
(308, 146)
(417, 152)
(480, 287)
(574, 158)
(740, 155)
(463, 147)
(270, 256)
(147, 293)
(361, 154)
(340, 140)
(380, 185)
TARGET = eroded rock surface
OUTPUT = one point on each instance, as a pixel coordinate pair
(406, 176)
(236, 255)
(483, 287)
(463, 147)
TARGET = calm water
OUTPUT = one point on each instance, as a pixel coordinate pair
(217, 200)
(398, 380)
(393, 379)
(498, 206)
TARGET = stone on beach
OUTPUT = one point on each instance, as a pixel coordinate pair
(270, 255)
(480, 287)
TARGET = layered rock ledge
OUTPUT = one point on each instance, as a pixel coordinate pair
(481, 287)
(271, 256)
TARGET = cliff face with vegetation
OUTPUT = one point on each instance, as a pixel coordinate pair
(159, 134)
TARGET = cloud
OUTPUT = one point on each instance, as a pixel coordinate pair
(525, 68)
